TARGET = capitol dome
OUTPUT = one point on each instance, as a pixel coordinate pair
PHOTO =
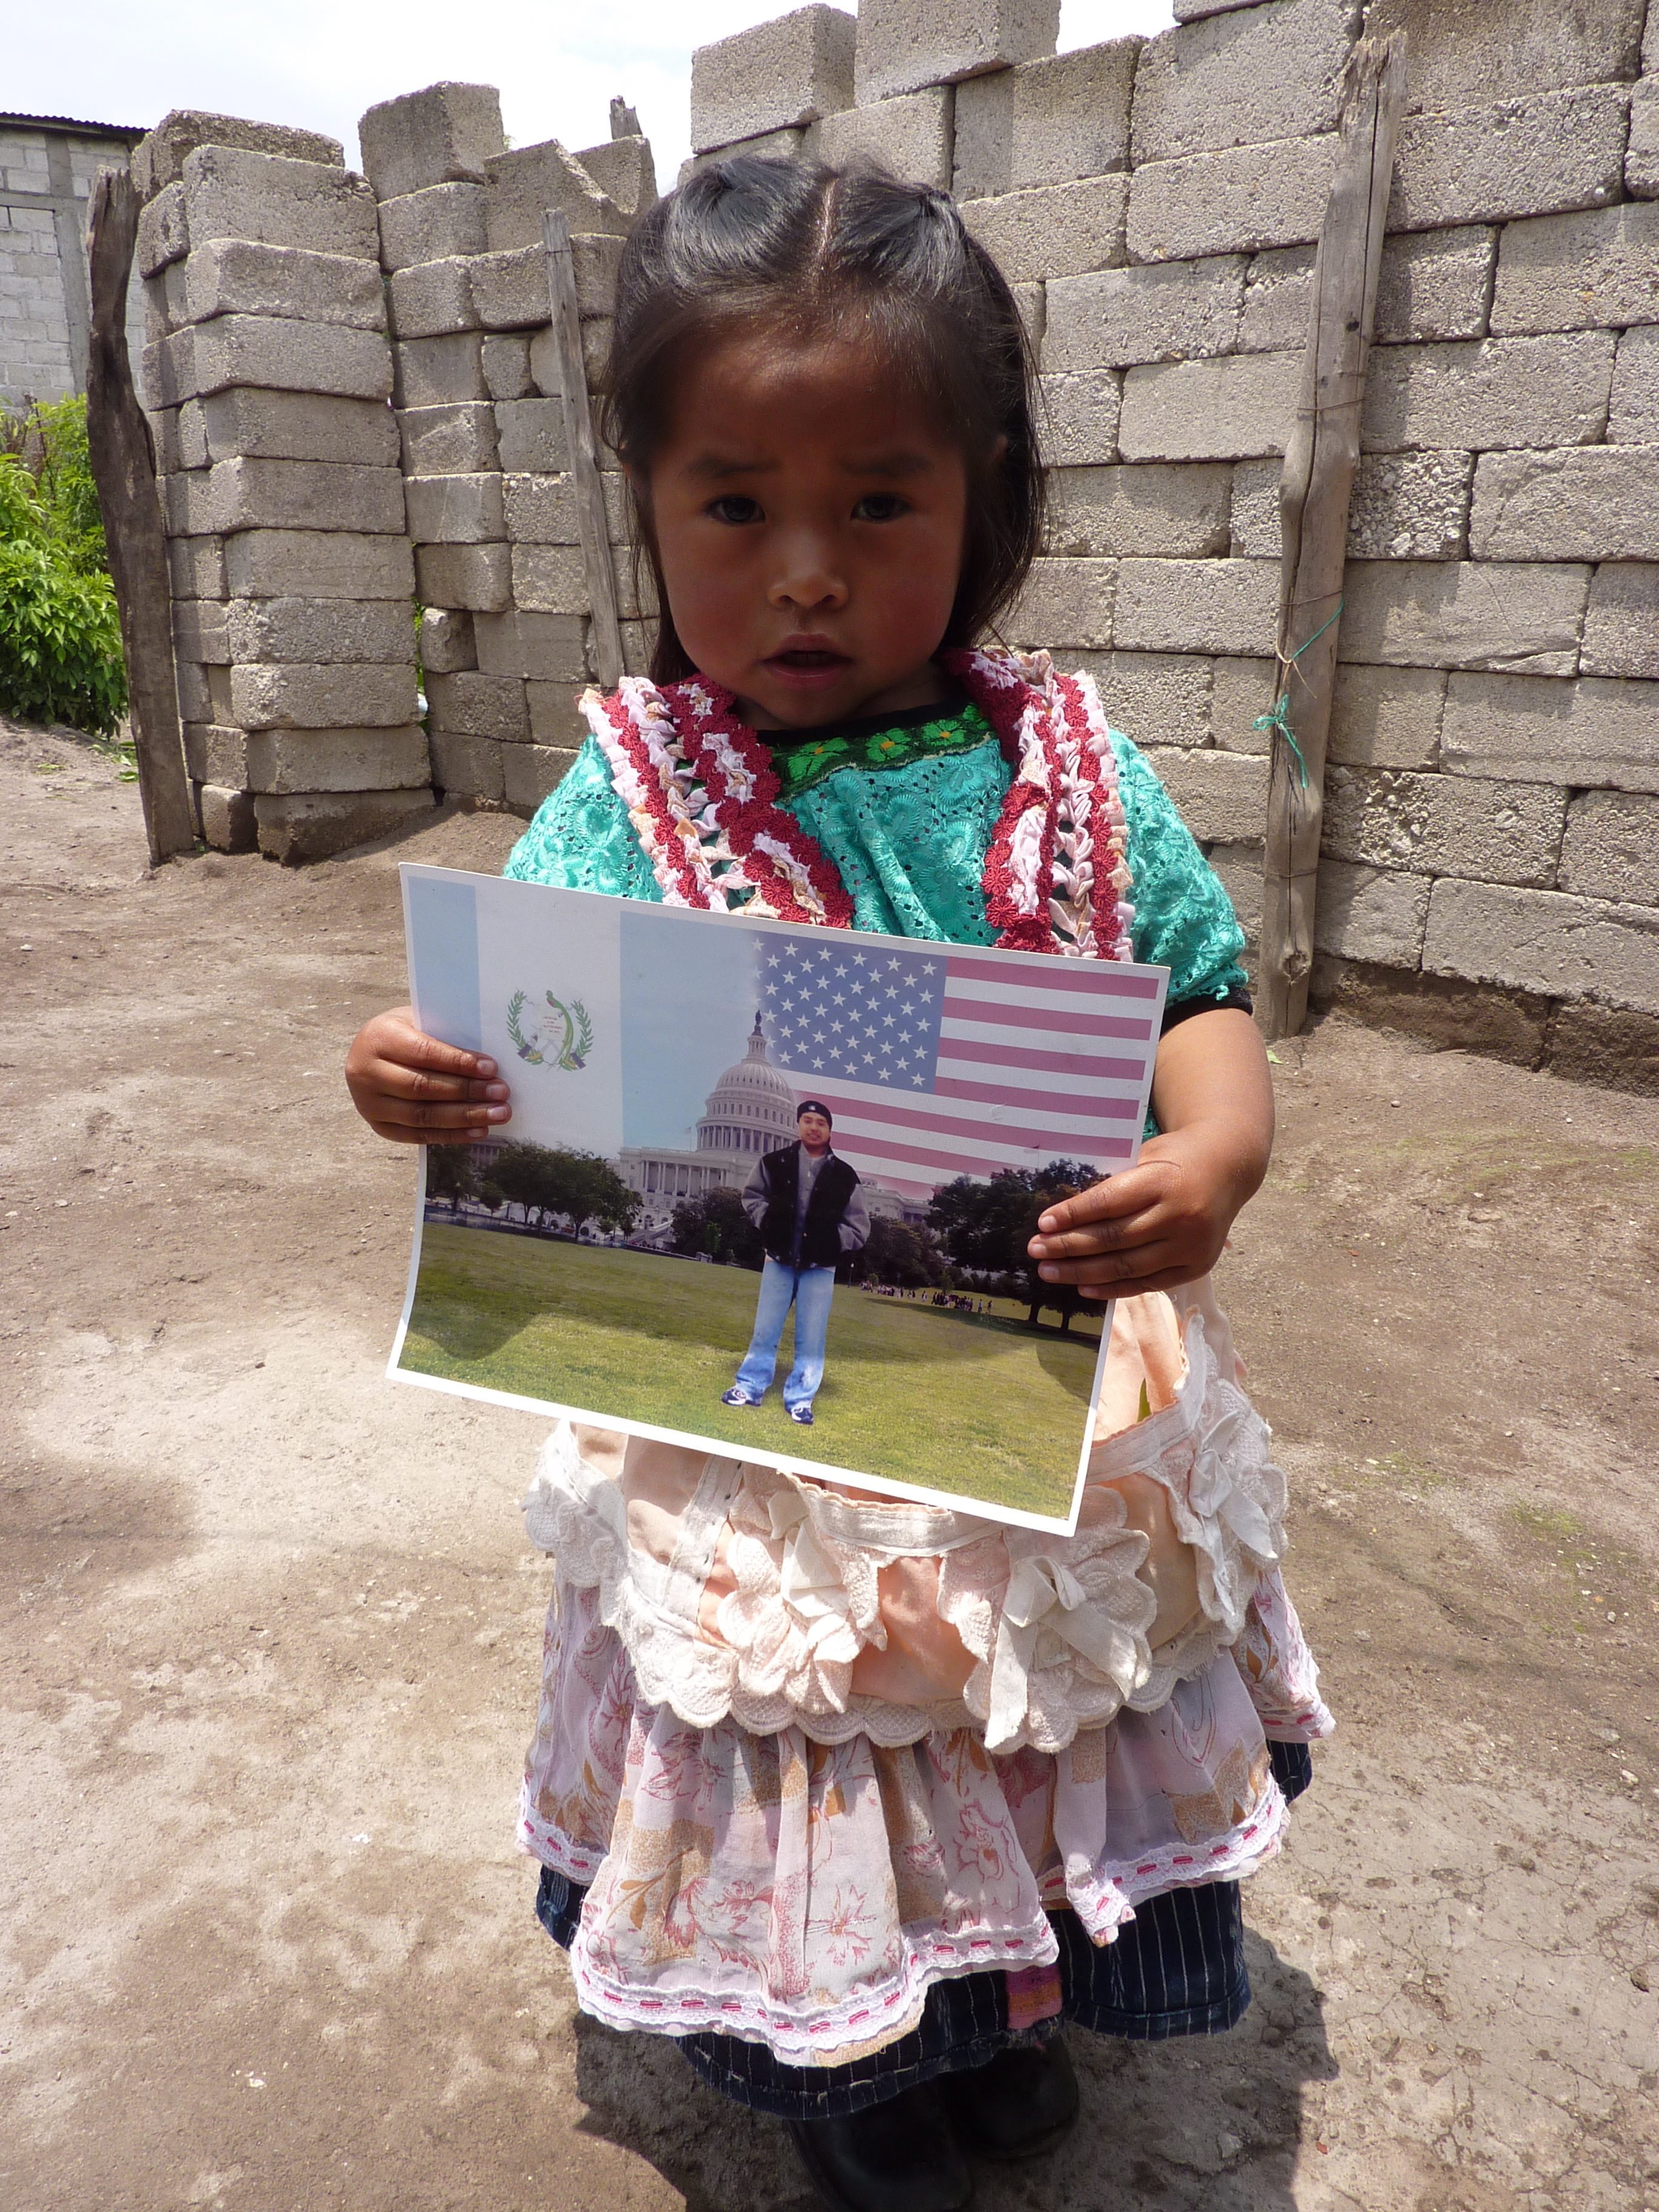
(752, 1107)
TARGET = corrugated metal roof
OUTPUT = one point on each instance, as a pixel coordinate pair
(133, 130)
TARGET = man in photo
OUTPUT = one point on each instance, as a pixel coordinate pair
(806, 1203)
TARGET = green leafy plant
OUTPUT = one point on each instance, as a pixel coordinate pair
(60, 633)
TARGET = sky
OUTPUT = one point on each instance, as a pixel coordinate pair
(319, 63)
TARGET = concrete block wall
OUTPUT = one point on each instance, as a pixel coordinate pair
(269, 372)
(1494, 770)
(47, 166)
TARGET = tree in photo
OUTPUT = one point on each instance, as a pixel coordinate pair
(905, 1259)
(716, 1224)
(451, 1175)
(985, 1226)
(549, 1184)
(595, 1192)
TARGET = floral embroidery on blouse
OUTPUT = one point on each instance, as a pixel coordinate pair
(800, 765)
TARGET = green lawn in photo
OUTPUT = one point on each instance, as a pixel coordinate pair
(980, 1407)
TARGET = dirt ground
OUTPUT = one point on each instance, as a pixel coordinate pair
(269, 1628)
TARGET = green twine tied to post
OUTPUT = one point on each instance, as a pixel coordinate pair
(1278, 716)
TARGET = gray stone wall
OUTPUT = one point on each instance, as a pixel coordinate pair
(46, 173)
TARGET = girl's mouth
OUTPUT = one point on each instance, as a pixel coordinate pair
(807, 667)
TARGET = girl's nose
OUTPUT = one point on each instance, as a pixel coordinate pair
(806, 578)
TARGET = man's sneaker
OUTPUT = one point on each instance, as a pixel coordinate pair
(738, 1396)
(803, 1414)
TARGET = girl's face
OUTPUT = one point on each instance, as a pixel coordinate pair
(811, 523)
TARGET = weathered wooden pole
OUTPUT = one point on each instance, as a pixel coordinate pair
(123, 469)
(591, 526)
(1320, 461)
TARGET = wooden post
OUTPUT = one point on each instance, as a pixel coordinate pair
(590, 524)
(1312, 500)
(123, 469)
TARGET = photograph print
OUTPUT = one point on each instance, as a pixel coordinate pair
(768, 1190)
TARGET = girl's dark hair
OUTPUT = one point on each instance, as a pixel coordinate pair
(802, 249)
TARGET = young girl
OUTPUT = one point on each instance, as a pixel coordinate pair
(860, 1800)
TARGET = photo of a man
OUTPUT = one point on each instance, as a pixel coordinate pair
(806, 1203)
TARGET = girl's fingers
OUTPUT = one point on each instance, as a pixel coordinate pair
(1115, 1268)
(395, 1080)
(418, 1115)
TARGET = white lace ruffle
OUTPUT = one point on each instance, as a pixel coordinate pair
(1057, 1626)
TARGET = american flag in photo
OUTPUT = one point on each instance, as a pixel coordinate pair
(939, 1060)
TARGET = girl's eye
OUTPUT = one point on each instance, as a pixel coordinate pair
(735, 509)
(880, 507)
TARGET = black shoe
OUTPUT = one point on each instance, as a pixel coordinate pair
(1018, 2106)
(802, 1415)
(899, 2156)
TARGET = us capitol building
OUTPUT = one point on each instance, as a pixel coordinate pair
(750, 1110)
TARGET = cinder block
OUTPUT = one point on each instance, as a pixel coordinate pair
(275, 355)
(1405, 507)
(1264, 73)
(1055, 231)
(466, 768)
(1045, 122)
(477, 706)
(903, 45)
(432, 299)
(318, 564)
(530, 436)
(217, 755)
(440, 372)
(910, 136)
(196, 702)
(200, 633)
(1178, 311)
(444, 223)
(1219, 796)
(158, 159)
(232, 277)
(1277, 295)
(1065, 604)
(446, 441)
(1651, 46)
(798, 145)
(1621, 623)
(1156, 698)
(511, 289)
(1370, 914)
(447, 642)
(1589, 503)
(227, 818)
(187, 503)
(1595, 733)
(638, 638)
(440, 136)
(1179, 511)
(246, 423)
(1465, 614)
(479, 577)
(265, 495)
(549, 648)
(506, 367)
(1445, 825)
(1230, 409)
(299, 826)
(1536, 46)
(545, 359)
(1633, 413)
(1242, 688)
(370, 759)
(196, 566)
(1492, 394)
(1534, 156)
(1642, 156)
(1197, 606)
(1611, 847)
(548, 578)
(329, 696)
(1436, 284)
(1544, 941)
(787, 71)
(1235, 202)
(1194, 11)
(456, 510)
(181, 439)
(625, 168)
(531, 772)
(554, 717)
(163, 231)
(321, 630)
(1387, 717)
(1566, 272)
(541, 510)
(232, 193)
(526, 183)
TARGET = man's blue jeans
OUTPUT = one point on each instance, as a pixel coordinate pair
(810, 1290)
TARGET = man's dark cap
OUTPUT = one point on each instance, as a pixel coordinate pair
(815, 1106)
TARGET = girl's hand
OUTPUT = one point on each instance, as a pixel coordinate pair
(1163, 1221)
(414, 1090)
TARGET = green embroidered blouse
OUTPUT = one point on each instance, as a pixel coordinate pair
(906, 810)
